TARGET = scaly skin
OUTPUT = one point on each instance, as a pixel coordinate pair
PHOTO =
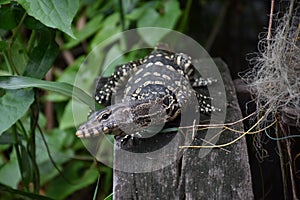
(153, 91)
(123, 118)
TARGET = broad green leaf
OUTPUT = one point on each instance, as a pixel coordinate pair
(18, 82)
(59, 152)
(7, 138)
(26, 165)
(111, 59)
(70, 73)
(67, 76)
(94, 7)
(55, 140)
(33, 24)
(79, 176)
(7, 18)
(111, 26)
(20, 57)
(90, 28)
(151, 18)
(166, 19)
(3, 45)
(10, 173)
(29, 195)
(5, 1)
(53, 13)
(3, 147)
(4, 73)
(67, 120)
(137, 13)
(10, 16)
(43, 55)
(89, 70)
(13, 105)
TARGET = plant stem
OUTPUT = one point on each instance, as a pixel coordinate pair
(185, 17)
(270, 22)
(12, 40)
(281, 157)
(288, 148)
(122, 18)
(31, 145)
(31, 40)
(23, 129)
(19, 158)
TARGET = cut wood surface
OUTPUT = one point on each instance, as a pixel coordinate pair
(145, 169)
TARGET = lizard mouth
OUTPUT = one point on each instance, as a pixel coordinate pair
(85, 131)
(82, 133)
(90, 131)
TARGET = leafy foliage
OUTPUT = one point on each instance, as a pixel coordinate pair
(52, 36)
(55, 13)
(10, 103)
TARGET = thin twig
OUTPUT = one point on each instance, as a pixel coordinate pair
(233, 141)
(293, 184)
(122, 17)
(66, 54)
(282, 164)
(208, 142)
(49, 112)
(213, 125)
(51, 158)
(270, 22)
(12, 41)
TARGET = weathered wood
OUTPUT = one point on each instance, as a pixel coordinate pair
(195, 173)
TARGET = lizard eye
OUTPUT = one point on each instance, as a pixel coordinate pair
(105, 116)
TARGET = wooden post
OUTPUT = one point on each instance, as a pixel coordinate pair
(196, 173)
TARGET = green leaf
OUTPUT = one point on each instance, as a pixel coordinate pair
(18, 82)
(9, 172)
(20, 57)
(43, 55)
(67, 76)
(166, 19)
(7, 18)
(90, 28)
(14, 103)
(2, 2)
(67, 120)
(3, 45)
(111, 26)
(109, 197)
(70, 73)
(59, 153)
(138, 12)
(29, 195)
(113, 56)
(3, 147)
(59, 188)
(53, 13)
(7, 138)
(26, 165)
(32, 23)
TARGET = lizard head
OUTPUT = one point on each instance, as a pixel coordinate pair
(106, 121)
